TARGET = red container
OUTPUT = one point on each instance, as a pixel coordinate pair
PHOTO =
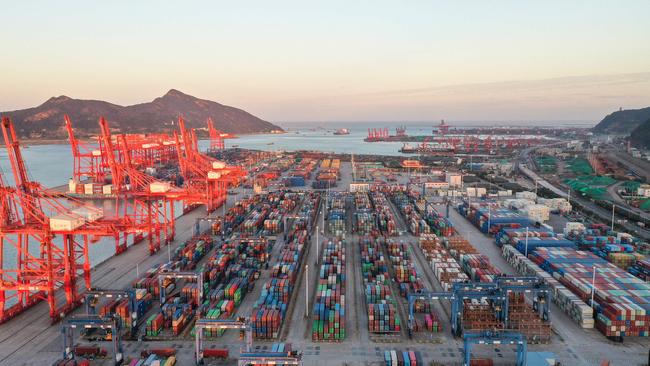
(160, 352)
(215, 353)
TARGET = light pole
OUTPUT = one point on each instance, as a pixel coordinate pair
(324, 212)
(526, 255)
(306, 290)
(317, 251)
(593, 287)
(489, 218)
(613, 207)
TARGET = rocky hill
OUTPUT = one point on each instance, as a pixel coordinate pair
(622, 122)
(159, 115)
(640, 136)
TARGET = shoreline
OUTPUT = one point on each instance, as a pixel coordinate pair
(35, 142)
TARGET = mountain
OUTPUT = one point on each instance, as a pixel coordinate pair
(622, 122)
(640, 136)
(159, 115)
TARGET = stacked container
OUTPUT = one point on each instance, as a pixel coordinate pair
(417, 225)
(566, 300)
(622, 300)
(382, 313)
(385, 220)
(446, 269)
(329, 307)
(336, 213)
(403, 267)
(270, 309)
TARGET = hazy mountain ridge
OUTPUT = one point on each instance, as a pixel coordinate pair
(46, 120)
(640, 136)
(622, 122)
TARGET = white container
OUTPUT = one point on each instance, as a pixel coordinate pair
(539, 213)
(107, 189)
(72, 186)
(65, 222)
(88, 188)
(90, 215)
(526, 195)
(214, 175)
(218, 165)
(159, 187)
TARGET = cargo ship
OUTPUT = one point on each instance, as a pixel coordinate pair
(375, 135)
(342, 131)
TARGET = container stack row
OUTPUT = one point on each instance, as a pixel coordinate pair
(416, 224)
(328, 174)
(303, 168)
(192, 251)
(402, 358)
(336, 214)
(458, 255)
(445, 267)
(381, 305)
(403, 267)
(479, 268)
(622, 301)
(489, 217)
(440, 225)
(282, 204)
(572, 305)
(385, 219)
(329, 306)
(365, 220)
(270, 309)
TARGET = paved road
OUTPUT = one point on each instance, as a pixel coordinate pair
(602, 213)
(638, 166)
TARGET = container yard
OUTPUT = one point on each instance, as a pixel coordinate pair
(298, 262)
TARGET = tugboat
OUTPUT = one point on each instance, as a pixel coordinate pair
(342, 131)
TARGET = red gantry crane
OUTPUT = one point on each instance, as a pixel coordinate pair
(147, 204)
(205, 179)
(88, 162)
(49, 237)
(146, 151)
(216, 139)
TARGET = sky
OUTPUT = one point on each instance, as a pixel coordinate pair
(336, 60)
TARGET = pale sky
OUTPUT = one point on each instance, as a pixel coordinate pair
(336, 60)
